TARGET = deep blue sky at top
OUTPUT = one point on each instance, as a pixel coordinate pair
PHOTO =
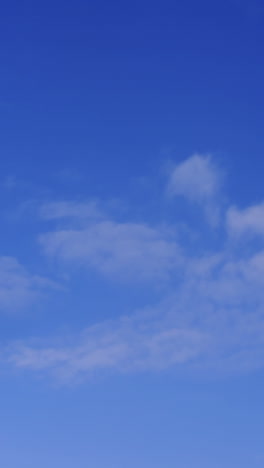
(113, 90)
(110, 87)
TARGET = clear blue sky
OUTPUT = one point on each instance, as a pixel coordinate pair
(132, 234)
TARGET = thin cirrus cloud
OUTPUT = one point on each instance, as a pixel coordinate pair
(211, 312)
(248, 221)
(129, 249)
(70, 210)
(212, 320)
(120, 250)
(198, 180)
(124, 345)
(18, 287)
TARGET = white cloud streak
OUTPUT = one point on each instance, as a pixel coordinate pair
(198, 180)
(249, 221)
(126, 345)
(119, 250)
(214, 319)
(19, 288)
(211, 315)
(70, 210)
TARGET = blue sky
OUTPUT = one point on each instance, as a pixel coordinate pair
(132, 234)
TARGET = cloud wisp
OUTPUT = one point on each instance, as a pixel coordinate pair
(18, 287)
(213, 319)
(70, 210)
(246, 222)
(127, 345)
(118, 250)
(211, 313)
(198, 180)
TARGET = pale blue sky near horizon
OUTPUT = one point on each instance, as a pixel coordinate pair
(132, 234)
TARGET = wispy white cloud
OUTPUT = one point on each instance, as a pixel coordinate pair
(70, 210)
(198, 180)
(212, 319)
(248, 221)
(126, 345)
(211, 315)
(19, 288)
(119, 250)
